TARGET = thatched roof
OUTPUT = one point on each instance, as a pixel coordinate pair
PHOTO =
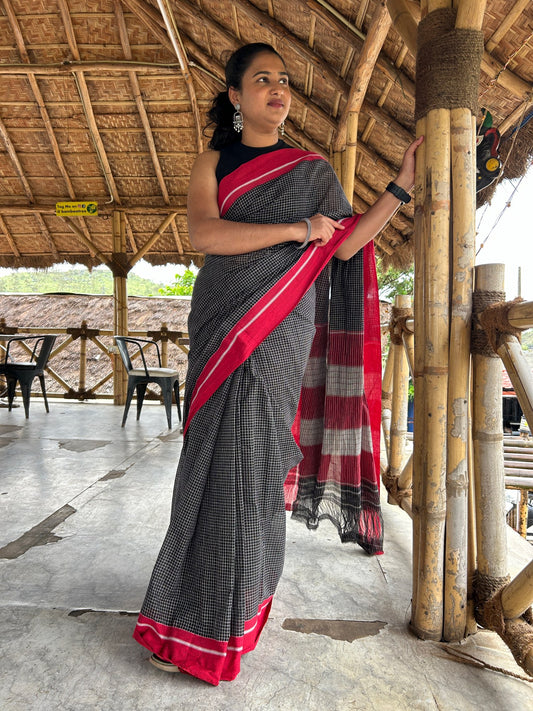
(105, 101)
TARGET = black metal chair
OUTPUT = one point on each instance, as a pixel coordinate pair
(25, 372)
(139, 378)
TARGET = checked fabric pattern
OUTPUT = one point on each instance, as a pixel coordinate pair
(222, 557)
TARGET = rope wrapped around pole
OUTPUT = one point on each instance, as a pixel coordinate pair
(495, 321)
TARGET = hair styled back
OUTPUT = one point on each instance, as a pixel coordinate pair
(220, 114)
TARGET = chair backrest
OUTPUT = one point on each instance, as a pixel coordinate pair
(121, 342)
(47, 343)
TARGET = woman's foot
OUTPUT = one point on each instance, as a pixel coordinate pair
(163, 664)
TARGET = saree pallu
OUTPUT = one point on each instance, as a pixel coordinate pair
(251, 328)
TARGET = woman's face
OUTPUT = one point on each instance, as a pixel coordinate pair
(264, 96)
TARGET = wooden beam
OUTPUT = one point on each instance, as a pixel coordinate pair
(152, 19)
(377, 33)
(146, 126)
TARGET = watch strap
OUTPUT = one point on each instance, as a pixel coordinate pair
(398, 192)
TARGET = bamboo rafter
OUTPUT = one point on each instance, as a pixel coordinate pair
(179, 49)
(27, 189)
(342, 27)
(9, 238)
(42, 106)
(10, 148)
(134, 82)
(149, 16)
(85, 99)
(67, 67)
(349, 119)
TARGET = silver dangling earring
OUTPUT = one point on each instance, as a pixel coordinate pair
(282, 128)
(237, 119)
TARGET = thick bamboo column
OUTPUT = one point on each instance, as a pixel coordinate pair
(488, 437)
(421, 224)
(120, 302)
(463, 256)
(427, 616)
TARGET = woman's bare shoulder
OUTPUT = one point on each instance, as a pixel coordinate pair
(206, 161)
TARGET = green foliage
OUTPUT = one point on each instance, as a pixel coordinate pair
(527, 339)
(394, 281)
(183, 284)
(75, 281)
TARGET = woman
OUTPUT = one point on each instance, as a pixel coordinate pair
(269, 218)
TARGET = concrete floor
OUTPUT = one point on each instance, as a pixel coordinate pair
(83, 509)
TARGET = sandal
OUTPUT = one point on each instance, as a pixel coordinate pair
(163, 664)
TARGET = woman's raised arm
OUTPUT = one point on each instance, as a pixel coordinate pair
(377, 216)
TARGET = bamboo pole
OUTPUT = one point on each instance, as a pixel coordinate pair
(471, 623)
(421, 218)
(409, 346)
(520, 315)
(386, 405)
(463, 256)
(488, 446)
(399, 398)
(518, 595)
(67, 67)
(120, 308)
(152, 240)
(82, 386)
(427, 617)
(347, 127)
(523, 510)
(514, 360)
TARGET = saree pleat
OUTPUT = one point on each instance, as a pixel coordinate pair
(220, 562)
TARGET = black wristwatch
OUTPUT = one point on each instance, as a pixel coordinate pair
(398, 192)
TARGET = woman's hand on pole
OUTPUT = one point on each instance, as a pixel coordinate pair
(406, 175)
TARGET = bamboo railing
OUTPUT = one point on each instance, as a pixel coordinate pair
(479, 571)
(79, 337)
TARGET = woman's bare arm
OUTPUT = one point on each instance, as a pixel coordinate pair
(377, 216)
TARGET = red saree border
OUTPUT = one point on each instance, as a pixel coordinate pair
(246, 176)
(208, 659)
(372, 351)
(264, 316)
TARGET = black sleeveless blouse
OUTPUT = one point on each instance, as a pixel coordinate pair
(234, 155)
